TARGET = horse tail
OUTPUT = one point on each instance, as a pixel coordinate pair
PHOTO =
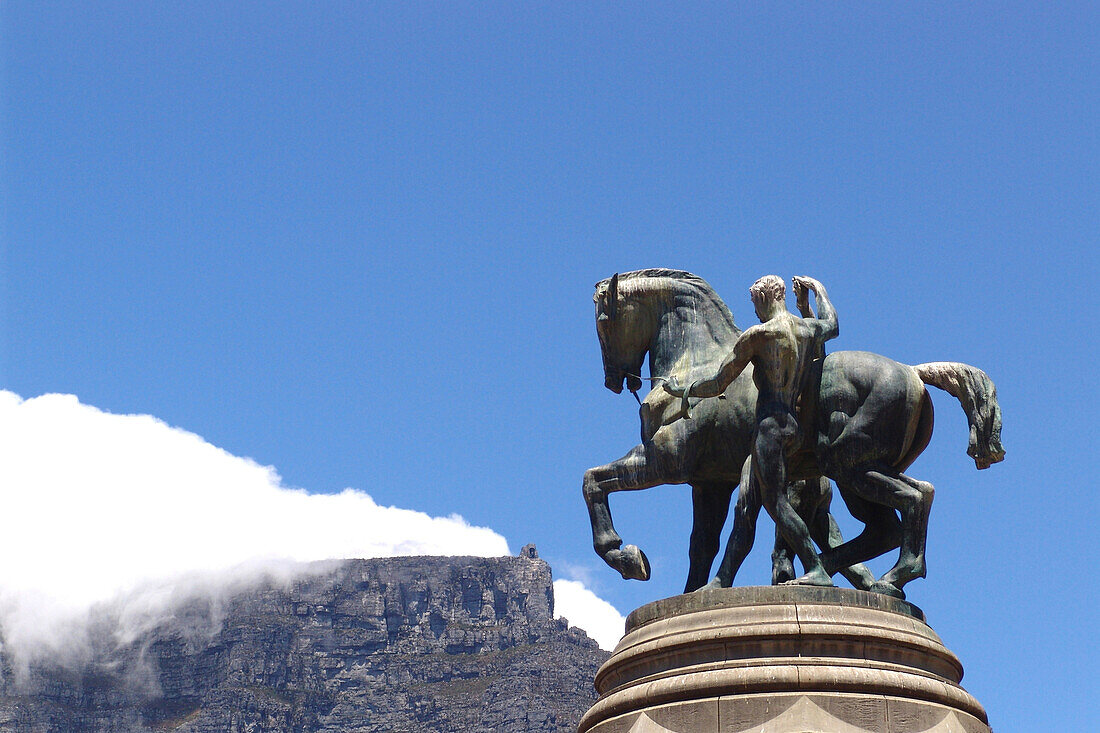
(975, 391)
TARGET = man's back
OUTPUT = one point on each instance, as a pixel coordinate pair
(782, 349)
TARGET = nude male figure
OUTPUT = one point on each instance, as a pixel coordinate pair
(781, 349)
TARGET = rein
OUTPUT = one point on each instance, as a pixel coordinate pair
(684, 398)
(647, 379)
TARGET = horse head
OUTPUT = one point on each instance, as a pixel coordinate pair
(661, 313)
(623, 333)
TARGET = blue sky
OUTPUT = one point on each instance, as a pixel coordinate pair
(357, 243)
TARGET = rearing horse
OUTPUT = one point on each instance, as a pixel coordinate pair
(867, 422)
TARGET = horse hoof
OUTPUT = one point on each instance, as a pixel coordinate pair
(714, 584)
(782, 572)
(887, 589)
(635, 565)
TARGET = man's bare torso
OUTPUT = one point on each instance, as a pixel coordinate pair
(782, 349)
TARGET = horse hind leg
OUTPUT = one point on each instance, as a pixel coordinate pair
(911, 561)
(889, 489)
(826, 533)
(881, 533)
(710, 506)
(630, 473)
(805, 496)
(812, 499)
(782, 560)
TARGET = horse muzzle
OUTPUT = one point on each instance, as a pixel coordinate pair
(613, 380)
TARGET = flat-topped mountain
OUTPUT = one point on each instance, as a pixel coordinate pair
(394, 644)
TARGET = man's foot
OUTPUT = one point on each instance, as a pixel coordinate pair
(817, 577)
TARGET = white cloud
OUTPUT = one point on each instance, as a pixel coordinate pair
(583, 608)
(99, 507)
(96, 504)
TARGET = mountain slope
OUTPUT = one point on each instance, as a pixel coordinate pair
(395, 644)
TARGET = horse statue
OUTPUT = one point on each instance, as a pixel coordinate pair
(866, 418)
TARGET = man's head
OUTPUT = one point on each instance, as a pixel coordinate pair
(766, 293)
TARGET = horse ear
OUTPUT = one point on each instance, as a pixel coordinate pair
(613, 295)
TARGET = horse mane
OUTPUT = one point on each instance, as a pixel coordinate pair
(680, 276)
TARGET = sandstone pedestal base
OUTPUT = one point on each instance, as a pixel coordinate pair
(784, 659)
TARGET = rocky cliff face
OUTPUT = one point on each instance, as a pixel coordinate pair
(396, 644)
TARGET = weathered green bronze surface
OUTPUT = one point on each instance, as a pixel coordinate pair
(778, 418)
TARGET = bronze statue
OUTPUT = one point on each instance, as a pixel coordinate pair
(862, 419)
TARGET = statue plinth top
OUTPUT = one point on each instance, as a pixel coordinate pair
(762, 595)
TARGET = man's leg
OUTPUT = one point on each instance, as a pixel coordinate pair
(774, 436)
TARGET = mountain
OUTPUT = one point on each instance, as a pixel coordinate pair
(395, 644)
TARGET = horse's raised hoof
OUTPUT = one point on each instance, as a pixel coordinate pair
(634, 565)
(887, 589)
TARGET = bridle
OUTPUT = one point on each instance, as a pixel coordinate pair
(648, 379)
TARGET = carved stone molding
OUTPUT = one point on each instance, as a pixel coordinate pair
(780, 659)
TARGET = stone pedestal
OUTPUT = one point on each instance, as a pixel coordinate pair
(783, 659)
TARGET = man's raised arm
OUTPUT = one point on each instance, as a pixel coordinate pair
(826, 313)
(802, 299)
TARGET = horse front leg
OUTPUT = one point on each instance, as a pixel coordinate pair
(710, 501)
(743, 534)
(632, 472)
